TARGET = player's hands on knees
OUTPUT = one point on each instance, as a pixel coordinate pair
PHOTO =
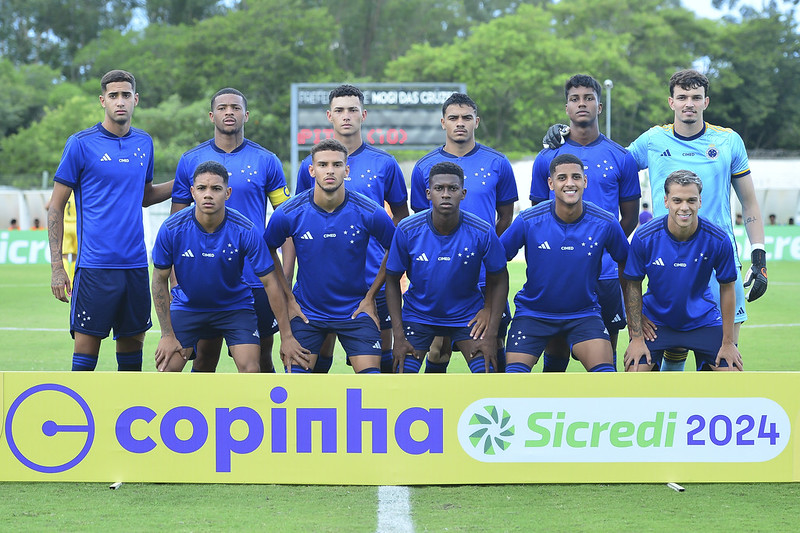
(292, 353)
(729, 353)
(479, 324)
(60, 284)
(648, 329)
(368, 307)
(295, 311)
(487, 347)
(401, 348)
(167, 347)
(634, 352)
(556, 136)
(756, 275)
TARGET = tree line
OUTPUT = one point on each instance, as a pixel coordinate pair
(514, 57)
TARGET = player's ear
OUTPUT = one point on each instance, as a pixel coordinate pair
(228, 193)
(442, 121)
(477, 121)
(428, 194)
(328, 114)
(550, 183)
(246, 116)
(463, 193)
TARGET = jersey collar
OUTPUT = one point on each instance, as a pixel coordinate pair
(693, 137)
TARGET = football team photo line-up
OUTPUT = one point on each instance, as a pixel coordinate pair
(349, 242)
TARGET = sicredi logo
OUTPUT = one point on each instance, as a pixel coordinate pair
(44, 445)
(608, 430)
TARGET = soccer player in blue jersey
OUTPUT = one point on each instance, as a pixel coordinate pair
(207, 245)
(679, 252)
(564, 240)
(719, 157)
(375, 174)
(256, 178)
(110, 169)
(332, 228)
(442, 250)
(613, 179)
(488, 177)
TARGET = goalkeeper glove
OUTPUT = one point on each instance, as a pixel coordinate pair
(556, 136)
(757, 275)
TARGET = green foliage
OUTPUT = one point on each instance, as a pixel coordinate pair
(24, 91)
(39, 147)
(51, 31)
(515, 66)
(753, 92)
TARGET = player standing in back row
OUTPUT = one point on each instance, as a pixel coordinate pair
(110, 168)
(492, 191)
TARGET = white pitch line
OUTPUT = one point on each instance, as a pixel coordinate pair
(748, 326)
(394, 510)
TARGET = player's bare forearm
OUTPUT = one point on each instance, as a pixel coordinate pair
(727, 304)
(751, 212)
(505, 213)
(176, 206)
(380, 278)
(633, 307)
(496, 297)
(289, 255)
(629, 216)
(290, 351)
(160, 289)
(155, 194)
(394, 304)
(59, 279)
(399, 212)
(284, 283)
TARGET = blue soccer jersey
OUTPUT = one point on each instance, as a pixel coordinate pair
(255, 175)
(375, 174)
(488, 178)
(678, 273)
(209, 266)
(108, 174)
(564, 260)
(444, 269)
(612, 177)
(717, 155)
(331, 250)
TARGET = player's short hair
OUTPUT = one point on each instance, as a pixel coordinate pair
(229, 90)
(328, 145)
(447, 167)
(688, 79)
(211, 167)
(565, 159)
(114, 76)
(683, 177)
(459, 99)
(583, 80)
(346, 90)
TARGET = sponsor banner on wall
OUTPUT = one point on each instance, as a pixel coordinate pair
(383, 430)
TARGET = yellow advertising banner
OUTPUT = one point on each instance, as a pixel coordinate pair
(400, 430)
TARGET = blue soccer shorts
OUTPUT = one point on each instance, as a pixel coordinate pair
(106, 298)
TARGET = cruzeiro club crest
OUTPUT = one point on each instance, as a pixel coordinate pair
(490, 431)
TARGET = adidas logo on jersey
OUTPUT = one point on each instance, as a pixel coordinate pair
(105, 157)
(307, 236)
(666, 153)
(544, 246)
(617, 318)
(187, 253)
(421, 257)
(377, 345)
(256, 335)
(659, 262)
